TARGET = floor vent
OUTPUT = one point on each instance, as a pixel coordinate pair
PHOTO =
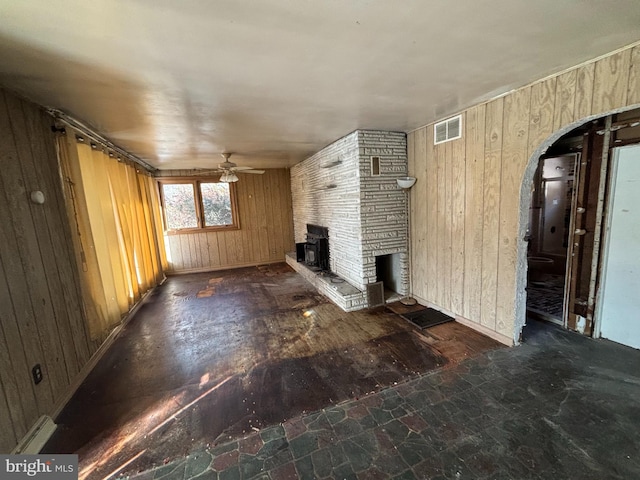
(447, 130)
(375, 294)
(36, 437)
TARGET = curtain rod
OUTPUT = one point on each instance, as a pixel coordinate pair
(96, 137)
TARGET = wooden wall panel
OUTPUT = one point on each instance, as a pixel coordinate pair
(458, 189)
(541, 118)
(500, 137)
(473, 210)
(611, 81)
(265, 234)
(431, 208)
(514, 160)
(565, 101)
(416, 148)
(584, 91)
(41, 314)
(491, 214)
(443, 227)
(633, 89)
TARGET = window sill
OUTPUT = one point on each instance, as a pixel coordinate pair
(224, 228)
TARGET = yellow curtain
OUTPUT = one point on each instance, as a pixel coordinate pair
(113, 210)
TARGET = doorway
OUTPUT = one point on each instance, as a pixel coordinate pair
(552, 198)
(581, 273)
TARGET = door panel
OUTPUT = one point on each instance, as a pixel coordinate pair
(619, 299)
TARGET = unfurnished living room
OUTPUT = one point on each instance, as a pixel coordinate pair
(320, 240)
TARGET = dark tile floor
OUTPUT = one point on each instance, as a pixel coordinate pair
(545, 297)
(561, 406)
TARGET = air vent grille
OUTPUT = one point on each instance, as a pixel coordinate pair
(447, 130)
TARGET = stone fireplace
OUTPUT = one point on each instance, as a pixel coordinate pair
(350, 188)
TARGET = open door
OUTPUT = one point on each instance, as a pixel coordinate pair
(619, 298)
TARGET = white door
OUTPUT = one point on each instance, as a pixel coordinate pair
(619, 298)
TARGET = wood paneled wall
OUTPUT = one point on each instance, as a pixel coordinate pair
(41, 313)
(468, 255)
(265, 234)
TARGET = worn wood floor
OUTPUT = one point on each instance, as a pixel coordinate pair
(220, 355)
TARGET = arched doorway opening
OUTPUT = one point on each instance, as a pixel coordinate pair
(566, 198)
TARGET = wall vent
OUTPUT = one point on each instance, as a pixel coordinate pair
(447, 130)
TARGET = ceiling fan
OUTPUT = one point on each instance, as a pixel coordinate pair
(229, 169)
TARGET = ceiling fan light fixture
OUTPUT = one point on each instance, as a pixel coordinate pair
(232, 177)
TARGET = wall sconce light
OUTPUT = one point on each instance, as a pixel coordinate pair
(406, 182)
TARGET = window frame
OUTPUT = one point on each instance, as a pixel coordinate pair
(195, 183)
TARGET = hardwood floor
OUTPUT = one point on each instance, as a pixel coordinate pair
(214, 356)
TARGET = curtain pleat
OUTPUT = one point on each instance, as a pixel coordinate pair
(114, 210)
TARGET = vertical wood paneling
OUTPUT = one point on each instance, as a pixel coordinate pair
(40, 302)
(440, 192)
(10, 370)
(633, 89)
(543, 97)
(611, 81)
(491, 214)
(514, 161)
(68, 306)
(500, 137)
(8, 439)
(55, 335)
(265, 234)
(584, 91)
(26, 263)
(448, 215)
(565, 101)
(419, 205)
(429, 173)
(474, 211)
(458, 189)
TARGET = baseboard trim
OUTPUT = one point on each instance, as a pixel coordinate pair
(36, 437)
(485, 331)
(469, 323)
(224, 267)
(95, 358)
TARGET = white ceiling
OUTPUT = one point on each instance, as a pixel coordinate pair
(178, 82)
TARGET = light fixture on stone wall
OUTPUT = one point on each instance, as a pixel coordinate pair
(406, 182)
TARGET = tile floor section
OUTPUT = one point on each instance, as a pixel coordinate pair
(559, 406)
(546, 297)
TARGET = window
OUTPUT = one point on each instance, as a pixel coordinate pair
(198, 204)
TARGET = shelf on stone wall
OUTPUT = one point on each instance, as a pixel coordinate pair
(331, 164)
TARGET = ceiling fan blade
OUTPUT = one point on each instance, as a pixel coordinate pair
(258, 172)
(239, 169)
(209, 172)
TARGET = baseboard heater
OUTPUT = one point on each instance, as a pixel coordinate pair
(36, 437)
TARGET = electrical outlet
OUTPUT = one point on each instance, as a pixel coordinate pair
(36, 371)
